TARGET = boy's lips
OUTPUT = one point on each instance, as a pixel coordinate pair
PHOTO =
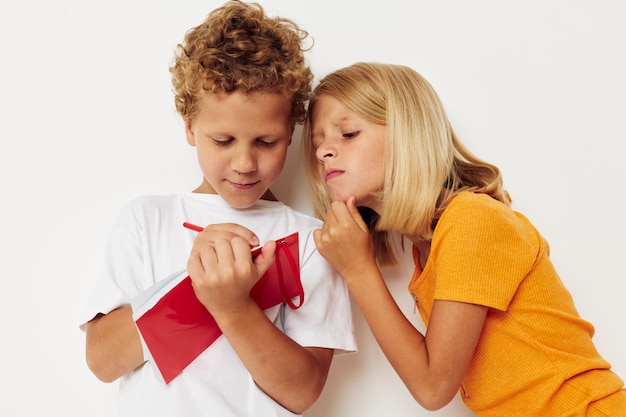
(243, 186)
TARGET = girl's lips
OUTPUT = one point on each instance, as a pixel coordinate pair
(332, 174)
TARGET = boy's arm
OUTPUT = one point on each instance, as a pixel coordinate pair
(222, 275)
(113, 346)
(292, 375)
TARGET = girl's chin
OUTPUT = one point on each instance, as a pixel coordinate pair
(342, 198)
(345, 199)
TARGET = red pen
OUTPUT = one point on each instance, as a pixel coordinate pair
(193, 227)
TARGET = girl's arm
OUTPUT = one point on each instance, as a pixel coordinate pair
(222, 274)
(431, 366)
(113, 346)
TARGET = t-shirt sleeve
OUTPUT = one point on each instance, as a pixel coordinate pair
(120, 279)
(482, 251)
(325, 318)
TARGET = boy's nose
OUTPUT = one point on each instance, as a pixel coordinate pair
(244, 163)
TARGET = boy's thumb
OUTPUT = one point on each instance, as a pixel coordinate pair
(266, 258)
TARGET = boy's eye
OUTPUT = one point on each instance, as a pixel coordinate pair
(266, 143)
(222, 141)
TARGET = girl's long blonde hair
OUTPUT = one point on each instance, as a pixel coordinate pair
(426, 164)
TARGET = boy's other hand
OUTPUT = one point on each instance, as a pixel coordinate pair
(225, 231)
(223, 273)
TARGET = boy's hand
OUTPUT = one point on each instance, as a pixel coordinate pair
(223, 272)
(226, 231)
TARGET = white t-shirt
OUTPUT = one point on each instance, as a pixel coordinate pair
(148, 243)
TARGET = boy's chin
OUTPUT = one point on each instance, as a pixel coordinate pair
(241, 202)
(242, 205)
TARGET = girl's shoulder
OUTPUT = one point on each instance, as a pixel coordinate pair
(488, 234)
(480, 217)
(476, 204)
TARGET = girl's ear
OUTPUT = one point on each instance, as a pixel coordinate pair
(189, 132)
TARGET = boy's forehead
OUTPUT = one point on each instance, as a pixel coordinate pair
(263, 110)
(267, 97)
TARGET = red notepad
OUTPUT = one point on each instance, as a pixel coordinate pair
(178, 327)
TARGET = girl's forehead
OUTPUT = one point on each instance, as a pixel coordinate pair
(331, 108)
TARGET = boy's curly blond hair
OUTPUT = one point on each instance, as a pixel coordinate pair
(238, 47)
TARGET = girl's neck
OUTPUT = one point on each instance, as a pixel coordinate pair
(423, 247)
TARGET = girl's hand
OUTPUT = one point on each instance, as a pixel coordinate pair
(344, 240)
(223, 272)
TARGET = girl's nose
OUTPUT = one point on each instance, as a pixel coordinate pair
(324, 152)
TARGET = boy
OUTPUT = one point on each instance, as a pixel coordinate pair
(240, 83)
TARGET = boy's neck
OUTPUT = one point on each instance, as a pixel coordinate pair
(269, 196)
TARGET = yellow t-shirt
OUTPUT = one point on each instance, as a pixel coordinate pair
(535, 356)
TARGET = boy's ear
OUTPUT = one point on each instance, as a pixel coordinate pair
(189, 133)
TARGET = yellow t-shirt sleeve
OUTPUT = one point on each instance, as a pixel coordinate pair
(482, 250)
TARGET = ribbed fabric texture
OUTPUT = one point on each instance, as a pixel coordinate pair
(535, 356)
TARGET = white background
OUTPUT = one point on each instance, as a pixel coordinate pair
(87, 123)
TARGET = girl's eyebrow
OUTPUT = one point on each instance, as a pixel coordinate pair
(313, 138)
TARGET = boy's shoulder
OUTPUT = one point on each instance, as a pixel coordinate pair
(161, 204)
(152, 201)
(300, 215)
(176, 199)
(152, 198)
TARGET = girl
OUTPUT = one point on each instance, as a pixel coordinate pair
(502, 329)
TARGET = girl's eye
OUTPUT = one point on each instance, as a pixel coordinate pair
(350, 135)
